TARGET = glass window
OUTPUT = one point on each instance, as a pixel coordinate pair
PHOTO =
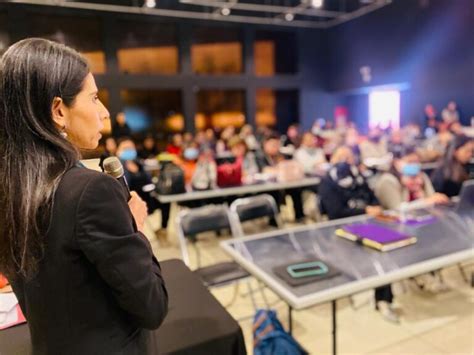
(4, 40)
(153, 111)
(147, 48)
(216, 51)
(384, 109)
(266, 108)
(64, 29)
(275, 53)
(220, 108)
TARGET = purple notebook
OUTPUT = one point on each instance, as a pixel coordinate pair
(376, 233)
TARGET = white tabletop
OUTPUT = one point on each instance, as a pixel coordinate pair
(238, 190)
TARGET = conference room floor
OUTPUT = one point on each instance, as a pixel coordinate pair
(430, 323)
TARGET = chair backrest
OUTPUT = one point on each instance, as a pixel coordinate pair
(466, 197)
(199, 220)
(250, 208)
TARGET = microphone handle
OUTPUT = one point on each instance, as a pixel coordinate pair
(123, 181)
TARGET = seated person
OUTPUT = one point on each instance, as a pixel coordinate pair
(448, 177)
(406, 182)
(240, 150)
(110, 149)
(375, 146)
(188, 161)
(137, 178)
(268, 161)
(205, 174)
(148, 150)
(176, 145)
(309, 155)
(343, 192)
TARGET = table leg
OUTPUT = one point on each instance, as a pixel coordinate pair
(334, 327)
(290, 319)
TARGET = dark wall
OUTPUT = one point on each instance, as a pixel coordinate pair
(426, 45)
(302, 84)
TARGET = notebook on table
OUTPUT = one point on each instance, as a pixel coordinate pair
(375, 236)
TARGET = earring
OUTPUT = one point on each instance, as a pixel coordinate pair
(63, 132)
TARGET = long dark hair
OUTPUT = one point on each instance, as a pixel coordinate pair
(34, 156)
(451, 167)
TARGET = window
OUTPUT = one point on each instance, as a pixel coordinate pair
(216, 51)
(384, 109)
(147, 48)
(220, 108)
(64, 29)
(155, 111)
(275, 53)
(266, 108)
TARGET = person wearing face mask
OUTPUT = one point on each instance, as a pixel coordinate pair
(137, 178)
(406, 182)
(448, 178)
(188, 161)
(344, 192)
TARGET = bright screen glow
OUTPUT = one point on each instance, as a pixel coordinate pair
(384, 109)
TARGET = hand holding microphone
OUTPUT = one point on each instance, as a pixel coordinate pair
(138, 207)
(139, 210)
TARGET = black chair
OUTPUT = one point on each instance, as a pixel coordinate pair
(213, 218)
(255, 207)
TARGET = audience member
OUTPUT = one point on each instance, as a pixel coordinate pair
(450, 114)
(267, 162)
(309, 155)
(344, 192)
(121, 128)
(406, 182)
(137, 179)
(176, 145)
(148, 149)
(240, 150)
(453, 171)
(246, 133)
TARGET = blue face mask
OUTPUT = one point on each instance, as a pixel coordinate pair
(411, 169)
(128, 154)
(191, 153)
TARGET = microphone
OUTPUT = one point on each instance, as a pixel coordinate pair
(114, 168)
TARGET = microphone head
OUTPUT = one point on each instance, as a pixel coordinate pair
(113, 167)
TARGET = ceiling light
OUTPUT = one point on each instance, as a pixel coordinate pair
(225, 11)
(150, 3)
(289, 16)
(317, 3)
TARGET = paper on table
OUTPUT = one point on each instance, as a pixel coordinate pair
(10, 311)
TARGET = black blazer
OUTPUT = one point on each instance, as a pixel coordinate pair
(99, 289)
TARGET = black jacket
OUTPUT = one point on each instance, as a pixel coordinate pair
(99, 288)
(338, 202)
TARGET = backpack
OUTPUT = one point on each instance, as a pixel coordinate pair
(270, 338)
(170, 180)
(229, 174)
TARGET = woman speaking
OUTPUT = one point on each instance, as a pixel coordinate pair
(70, 243)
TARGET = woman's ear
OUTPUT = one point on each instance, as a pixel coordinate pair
(59, 113)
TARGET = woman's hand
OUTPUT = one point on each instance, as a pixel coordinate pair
(373, 211)
(438, 199)
(139, 210)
